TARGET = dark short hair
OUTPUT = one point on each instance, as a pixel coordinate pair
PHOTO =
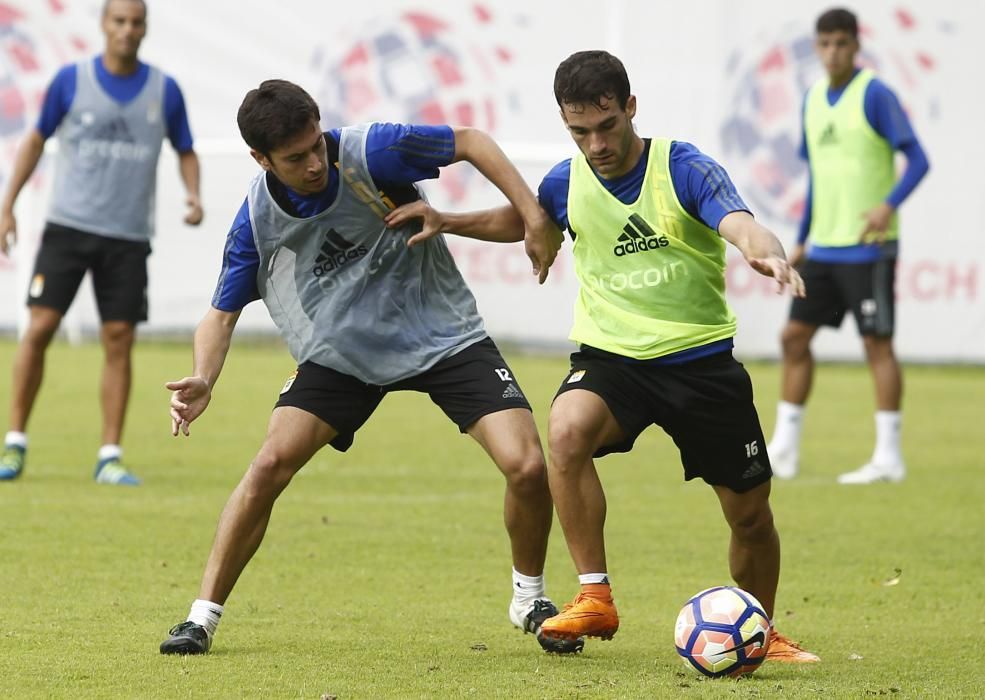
(589, 76)
(107, 2)
(837, 19)
(274, 113)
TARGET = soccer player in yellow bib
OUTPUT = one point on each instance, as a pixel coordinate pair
(853, 124)
(649, 219)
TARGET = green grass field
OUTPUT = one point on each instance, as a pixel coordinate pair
(385, 572)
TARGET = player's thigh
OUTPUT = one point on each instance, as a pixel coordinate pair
(600, 407)
(870, 293)
(824, 304)
(708, 410)
(748, 510)
(471, 384)
(293, 437)
(511, 440)
(59, 267)
(340, 401)
(119, 279)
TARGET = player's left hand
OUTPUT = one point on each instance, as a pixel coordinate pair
(432, 221)
(782, 271)
(876, 223)
(195, 213)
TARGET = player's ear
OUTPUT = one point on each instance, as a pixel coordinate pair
(631, 106)
(263, 161)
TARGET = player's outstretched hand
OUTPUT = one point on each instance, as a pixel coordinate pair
(195, 213)
(782, 271)
(432, 222)
(189, 400)
(8, 232)
(542, 241)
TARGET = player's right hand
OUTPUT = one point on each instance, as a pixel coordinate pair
(189, 400)
(432, 222)
(542, 240)
(8, 232)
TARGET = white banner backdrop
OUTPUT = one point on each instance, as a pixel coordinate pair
(727, 76)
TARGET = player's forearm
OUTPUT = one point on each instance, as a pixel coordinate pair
(917, 167)
(212, 340)
(753, 240)
(501, 225)
(190, 171)
(25, 162)
(479, 149)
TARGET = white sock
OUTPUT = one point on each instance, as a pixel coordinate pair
(786, 435)
(15, 438)
(110, 452)
(593, 578)
(207, 614)
(888, 426)
(526, 589)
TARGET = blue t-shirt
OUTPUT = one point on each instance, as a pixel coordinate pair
(397, 155)
(885, 115)
(703, 188)
(122, 88)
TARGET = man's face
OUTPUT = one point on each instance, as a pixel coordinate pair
(604, 133)
(837, 52)
(301, 163)
(124, 25)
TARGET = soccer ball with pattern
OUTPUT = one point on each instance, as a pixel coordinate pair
(722, 631)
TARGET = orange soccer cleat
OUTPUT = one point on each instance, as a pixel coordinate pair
(583, 617)
(788, 651)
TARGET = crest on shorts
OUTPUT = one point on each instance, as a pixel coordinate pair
(576, 376)
(290, 382)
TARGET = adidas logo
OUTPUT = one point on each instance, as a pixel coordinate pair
(828, 136)
(638, 237)
(755, 469)
(512, 392)
(336, 252)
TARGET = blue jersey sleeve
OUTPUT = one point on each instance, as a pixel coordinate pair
(237, 285)
(401, 154)
(179, 133)
(57, 100)
(885, 113)
(553, 193)
(886, 116)
(703, 187)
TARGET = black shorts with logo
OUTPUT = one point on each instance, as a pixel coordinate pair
(118, 266)
(470, 384)
(867, 289)
(705, 405)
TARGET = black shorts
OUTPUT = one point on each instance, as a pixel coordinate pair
(119, 273)
(867, 289)
(705, 405)
(468, 385)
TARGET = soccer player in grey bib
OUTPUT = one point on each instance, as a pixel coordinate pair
(111, 113)
(365, 309)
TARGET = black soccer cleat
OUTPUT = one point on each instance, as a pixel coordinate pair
(187, 638)
(542, 610)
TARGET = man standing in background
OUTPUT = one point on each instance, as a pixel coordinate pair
(111, 113)
(853, 124)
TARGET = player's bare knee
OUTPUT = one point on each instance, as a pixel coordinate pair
(795, 344)
(526, 473)
(754, 526)
(270, 472)
(568, 445)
